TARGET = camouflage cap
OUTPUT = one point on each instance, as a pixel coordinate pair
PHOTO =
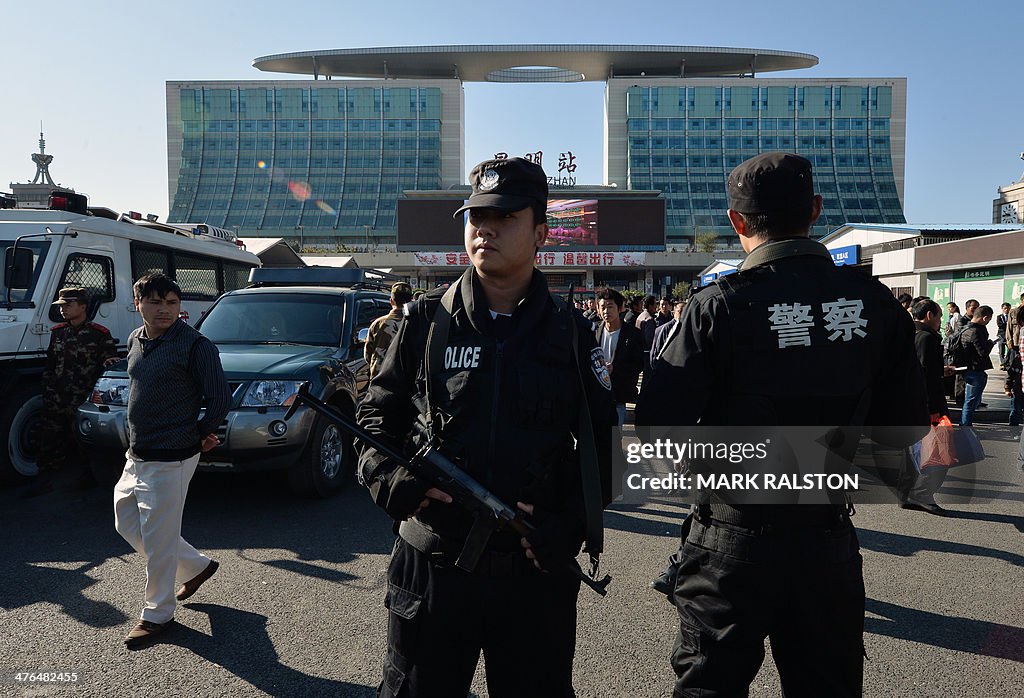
(401, 292)
(72, 293)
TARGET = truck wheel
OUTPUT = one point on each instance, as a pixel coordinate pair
(18, 418)
(326, 464)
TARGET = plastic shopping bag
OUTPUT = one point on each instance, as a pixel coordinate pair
(938, 448)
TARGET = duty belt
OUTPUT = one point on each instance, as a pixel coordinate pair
(801, 518)
(504, 561)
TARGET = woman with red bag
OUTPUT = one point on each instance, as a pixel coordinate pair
(917, 490)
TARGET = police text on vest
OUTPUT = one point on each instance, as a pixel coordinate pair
(461, 357)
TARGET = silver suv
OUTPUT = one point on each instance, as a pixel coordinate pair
(293, 327)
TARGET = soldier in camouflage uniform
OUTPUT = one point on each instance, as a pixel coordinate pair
(384, 328)
(77, 354)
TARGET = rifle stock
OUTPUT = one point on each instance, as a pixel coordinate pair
(488, 510)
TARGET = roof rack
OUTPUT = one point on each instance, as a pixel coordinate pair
(322, 276)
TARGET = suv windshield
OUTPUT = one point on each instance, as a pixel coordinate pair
(39, 249)
(271, 318)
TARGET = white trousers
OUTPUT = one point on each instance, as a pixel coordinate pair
(148, 503)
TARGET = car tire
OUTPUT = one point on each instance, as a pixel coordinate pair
(18, 417)
(327, 463)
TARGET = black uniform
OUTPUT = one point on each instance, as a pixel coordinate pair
(506, 407)
(766, 346)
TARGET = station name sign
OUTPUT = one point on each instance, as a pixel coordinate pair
(566, 176)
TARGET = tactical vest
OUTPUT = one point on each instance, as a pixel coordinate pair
(802, 345)
(504, 410)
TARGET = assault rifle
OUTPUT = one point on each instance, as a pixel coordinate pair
(489, 512)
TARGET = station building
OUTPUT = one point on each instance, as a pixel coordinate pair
(328, 159)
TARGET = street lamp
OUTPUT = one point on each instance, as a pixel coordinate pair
(301, 243)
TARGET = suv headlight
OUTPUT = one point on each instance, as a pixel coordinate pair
(110, 391)
(271, 393)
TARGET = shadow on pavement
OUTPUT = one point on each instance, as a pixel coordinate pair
(967, 495)
(906, 546)
(37, 583)
(951, 477)
(239, 642)
(621, 521)
(242, 513)
(1017, 521)
(948, 632)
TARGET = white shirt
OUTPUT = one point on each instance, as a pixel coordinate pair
(609, 340)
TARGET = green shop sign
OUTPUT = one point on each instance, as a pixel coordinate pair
(1012, 288)
(940, 293)
(979, 274)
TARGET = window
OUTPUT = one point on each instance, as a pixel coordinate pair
(94, 273)
(366, 312)
(199, 276)
(196, 275)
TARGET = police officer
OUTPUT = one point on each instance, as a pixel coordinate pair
(78, 351)
(507, 378)
(383, 329)
(790, 339)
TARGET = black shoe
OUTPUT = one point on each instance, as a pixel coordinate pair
(982, 404)
(664, 583)
(931, 508)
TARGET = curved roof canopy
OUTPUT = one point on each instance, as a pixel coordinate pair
(534, 63)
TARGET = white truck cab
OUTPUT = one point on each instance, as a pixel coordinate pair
(46, 250)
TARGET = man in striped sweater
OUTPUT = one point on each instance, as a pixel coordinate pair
(175, 372)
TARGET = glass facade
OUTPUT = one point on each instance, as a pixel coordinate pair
(684, 141)
(324, 162)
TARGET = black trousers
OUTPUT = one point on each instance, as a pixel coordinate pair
(441, 618)
(802, 589)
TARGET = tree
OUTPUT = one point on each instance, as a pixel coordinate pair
(681, 290)
(705, 242)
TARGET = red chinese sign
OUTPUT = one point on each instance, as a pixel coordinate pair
(544, 259)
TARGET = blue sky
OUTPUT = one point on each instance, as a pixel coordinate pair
(94, 73)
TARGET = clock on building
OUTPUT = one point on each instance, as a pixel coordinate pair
(1008, 213)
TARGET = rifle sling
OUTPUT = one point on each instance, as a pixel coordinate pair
(437, 341)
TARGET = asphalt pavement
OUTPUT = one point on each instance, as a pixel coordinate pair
(296, 608)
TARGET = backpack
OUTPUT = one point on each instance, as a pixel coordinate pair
(954, 352)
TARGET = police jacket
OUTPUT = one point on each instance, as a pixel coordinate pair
(627, 363)
(506, 405)
(977, 347)
(790, 339)
(928, 345)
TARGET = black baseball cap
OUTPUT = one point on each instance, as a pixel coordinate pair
(510, 184)
(772, 183)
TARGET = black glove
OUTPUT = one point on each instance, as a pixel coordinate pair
(557, 538)
(398, 492)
